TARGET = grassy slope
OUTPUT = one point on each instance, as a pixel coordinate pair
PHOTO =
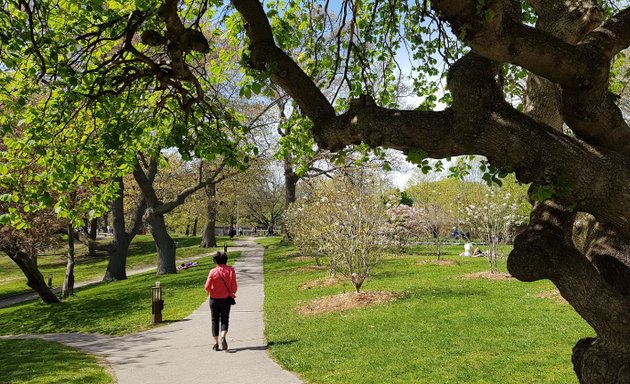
(445, 329)
(112, 308)
(45, 362)
(141, 254)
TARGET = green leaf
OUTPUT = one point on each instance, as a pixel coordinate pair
(542, 192)
(415, 156)
(256, 87)
(5, 219)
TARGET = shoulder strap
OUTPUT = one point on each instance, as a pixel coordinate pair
(226, 287)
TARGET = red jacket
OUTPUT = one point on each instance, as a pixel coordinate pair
(214, 285)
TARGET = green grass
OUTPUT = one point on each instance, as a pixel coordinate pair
(115, 308)
(443, 329)
(141, 254)
(46, 362)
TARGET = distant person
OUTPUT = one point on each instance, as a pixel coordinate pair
(232, 232)
(467, 249)
(270, 230)
(221, 287)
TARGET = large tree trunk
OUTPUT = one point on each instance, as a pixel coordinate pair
(68, 282)
(93, 229)
(290, 183)
(605, 359)
(28, 265)
(582, 264)
(117, 266)
(208, 238)
(164, 244)
(105, 222)
(573, 175)
(195, 226)
(119, 248)
(596, 363)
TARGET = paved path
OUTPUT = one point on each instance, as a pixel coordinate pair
(182, 352)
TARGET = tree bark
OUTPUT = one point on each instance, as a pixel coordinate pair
(583, 171)
(208, 238)
(290, 182)
(164, 244)
(105, 222)
(35, 280)
(117, 266)
(68, 282)
(93, 228)
(595, 363)
(195, 224)
(156, 209)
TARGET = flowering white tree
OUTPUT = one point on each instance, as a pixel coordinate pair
(301, 221)
(436, 223)
(345, 221)
(493, 220)
(423, 219)
(404, 223)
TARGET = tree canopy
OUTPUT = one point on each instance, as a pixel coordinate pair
(527, 84)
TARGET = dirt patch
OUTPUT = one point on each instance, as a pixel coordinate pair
(327, 282)
(438, 262)
(489, 276)
(310, 268)
(346, 301)
(553, 295)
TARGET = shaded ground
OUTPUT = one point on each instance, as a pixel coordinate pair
(346, 301)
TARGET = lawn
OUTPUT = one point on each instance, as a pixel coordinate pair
(141, 254)
(47, 362)
(444, 328)
(115, 308)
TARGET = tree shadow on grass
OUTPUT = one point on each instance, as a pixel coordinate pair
(110, 308)
(45, 361)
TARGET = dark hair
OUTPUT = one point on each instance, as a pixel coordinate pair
(220, 257)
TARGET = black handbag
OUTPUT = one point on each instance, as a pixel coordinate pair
(230, 298)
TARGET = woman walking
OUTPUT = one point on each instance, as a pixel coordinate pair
(221, 287)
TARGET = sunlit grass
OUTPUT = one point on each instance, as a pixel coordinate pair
(444, 329)
(46, 362)
(142, 253)
(115, 308)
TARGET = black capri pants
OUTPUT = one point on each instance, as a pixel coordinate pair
(220, 312)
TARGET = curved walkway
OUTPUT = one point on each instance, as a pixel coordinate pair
(181, 352)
